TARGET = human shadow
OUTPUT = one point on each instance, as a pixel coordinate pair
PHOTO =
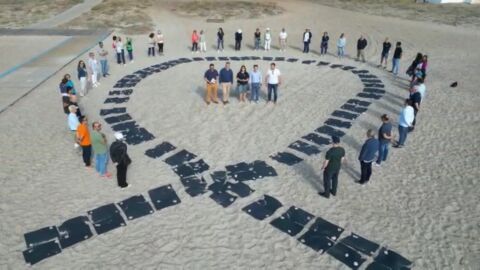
(310, 175)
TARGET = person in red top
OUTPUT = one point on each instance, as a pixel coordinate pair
(195, 38)
(83, 139)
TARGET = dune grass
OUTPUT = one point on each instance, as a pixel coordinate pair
(228, 9)
(20, 13)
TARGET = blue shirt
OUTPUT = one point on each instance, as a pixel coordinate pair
(369, 150)
(256, 77)
(226, 76)
(386, 128)
(211, 74)
(73, 121)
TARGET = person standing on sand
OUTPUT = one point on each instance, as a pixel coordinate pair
(385, 51)
(151, 44)
(416, 98)
(242, 83)
(195, 38)
(267, 39)
(257, 39)
(307, 38)
(416, 64)
(385, 136)
(130, 49)
(82, 77)
(203, 41)
(102, 53)
(282, 39)
(424, 67)
(99, 145)
(324, 44)
(397, 55)
(405, 121)
(238, 40)
(273, 80)
(211, 78)
(341, 43)
(93, 69)
(120, 158)
(73, 123)
(361, 45)
(334, 158)
(256, 81)
(67, 81)
(160, 39)
(220, 35)
(120, 51)
(114, 41)
(367, 156)
(226, 80)
(83, 139)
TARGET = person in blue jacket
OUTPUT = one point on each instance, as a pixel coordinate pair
(226, 81)
(367, 156)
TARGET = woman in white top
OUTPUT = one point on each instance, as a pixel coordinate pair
(159, 40)
(268, 39)
(282, 37)
(119, 47)
(203, 41)
(341, 43)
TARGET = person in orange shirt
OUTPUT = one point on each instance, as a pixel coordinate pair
(83, 139)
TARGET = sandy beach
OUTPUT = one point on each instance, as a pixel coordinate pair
(422, 203)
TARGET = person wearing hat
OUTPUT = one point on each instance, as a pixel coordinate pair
(83, 139)
(238, 40)
(120, 158)
(334, 158)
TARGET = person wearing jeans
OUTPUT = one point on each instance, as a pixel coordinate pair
(256, 81)
(307, 38)
(384, 137)
(273, 80)
(397, 55)
(324, 44)
(99, 145)
(220, 35)
(367, 156)
(405, 122)
(103, 59)
(257, 38)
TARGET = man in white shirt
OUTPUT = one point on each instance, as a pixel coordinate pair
(273, 80)
(405, 121)
(307, 38)
(268, 39)
(282, 37)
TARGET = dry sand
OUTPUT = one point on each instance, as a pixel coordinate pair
(24, 44)
(422, 203)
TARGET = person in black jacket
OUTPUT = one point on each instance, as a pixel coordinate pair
(361, 45)
(324, 44)
(119, 156)
(238, 40)
(307, 38)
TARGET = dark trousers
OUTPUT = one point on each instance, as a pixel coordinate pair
(160, 47)
(415, 111)
(121, 57)
(87, 154)
(272, 88)
(130, 55)
(366, 171)
(122, 175)
(330, 182)
(306, 47)
(194, 46)
(323, 49)
(151, 51)
(238, 45)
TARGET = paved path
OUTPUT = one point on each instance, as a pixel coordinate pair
(67, 15)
